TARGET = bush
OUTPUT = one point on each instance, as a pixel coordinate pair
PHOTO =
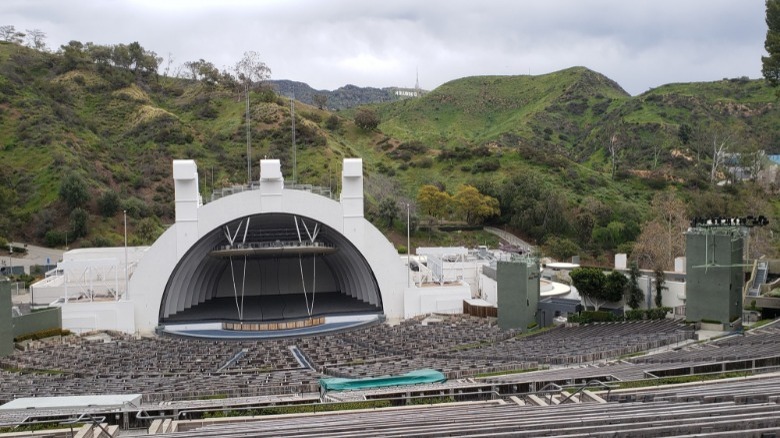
(108, 203)
(589, 316)
(135, 207)
(43, 334)
(366, 119)
(78, 222)
(54, 238)
(332, 123)
(73, 191)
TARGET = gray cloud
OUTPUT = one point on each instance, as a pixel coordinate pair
(640, 44)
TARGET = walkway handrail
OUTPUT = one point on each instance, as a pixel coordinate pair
(593, 382)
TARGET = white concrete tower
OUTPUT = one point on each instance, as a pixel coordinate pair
(352, 200)
(188, 200)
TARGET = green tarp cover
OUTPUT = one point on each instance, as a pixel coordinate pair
(411, 378)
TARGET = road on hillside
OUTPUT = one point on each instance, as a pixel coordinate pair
(36, 255)
(511, 239)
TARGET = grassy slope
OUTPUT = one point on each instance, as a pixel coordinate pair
(121, 135)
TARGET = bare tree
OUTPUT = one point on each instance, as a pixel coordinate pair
(720, 147)
(614, 147)
(320, 100)
(36, 39)
(251, 72)
(168, 64)
(9, 34)
(661, 239)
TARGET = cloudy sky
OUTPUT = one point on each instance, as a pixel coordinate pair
(639, 43)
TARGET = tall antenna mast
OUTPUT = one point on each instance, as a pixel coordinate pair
(295, 157)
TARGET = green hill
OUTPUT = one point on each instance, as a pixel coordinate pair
(539, 144)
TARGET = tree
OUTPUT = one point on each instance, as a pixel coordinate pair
(73, 55)
(148, 229)
(321, 100)
(108, 203)
(614, 147)
(615, 286)
(78, 222)
(634, 294)
(720, 147)
(366, 119)
(770, 65)
(203, 71)
(590, 283)
(388, 210)
(684, 133)
(661, 238)
(9, 34)
(36, 39)
(474, 206)
(433, 201)
(251, 71)
(73, 190)
(660, 285)
(561, 248)
(333, 122)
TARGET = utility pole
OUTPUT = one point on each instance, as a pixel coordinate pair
(248, 140)
(295, 151)
(127, 291)
(408, 248)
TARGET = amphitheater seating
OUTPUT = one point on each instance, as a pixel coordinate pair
(509, 419)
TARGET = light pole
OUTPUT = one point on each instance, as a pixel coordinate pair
(127, 292)
(408, 249)
(10, 260)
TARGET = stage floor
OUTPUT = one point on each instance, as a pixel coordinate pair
(214, 330)
(271, 308)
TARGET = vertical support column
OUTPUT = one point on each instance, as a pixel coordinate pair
(187, 196)
(352, 200)
(271, 185)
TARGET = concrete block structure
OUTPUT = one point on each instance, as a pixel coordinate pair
(715, 274)
(518, 293)
(6, 326)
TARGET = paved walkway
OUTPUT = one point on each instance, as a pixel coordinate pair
(511, 239)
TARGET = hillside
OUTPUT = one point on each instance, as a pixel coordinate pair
(348, 96)
(538, 144)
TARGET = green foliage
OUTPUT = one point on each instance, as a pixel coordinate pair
(533, 143)
(634, 294)
(590, 316)
(108, 203)
(684, 133)
(431, 400)
(366, 119)
(660, 285)
(147, 231)
(434, 202)
(591, 284)
(54, 238)
(645, 314)
(79, 219)
(333, 122)
(43, 334)
(73, 190)
(136, 208)
(474, 206)
(770, 65)
(388, 210)
(561, 248)
(615, 286)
